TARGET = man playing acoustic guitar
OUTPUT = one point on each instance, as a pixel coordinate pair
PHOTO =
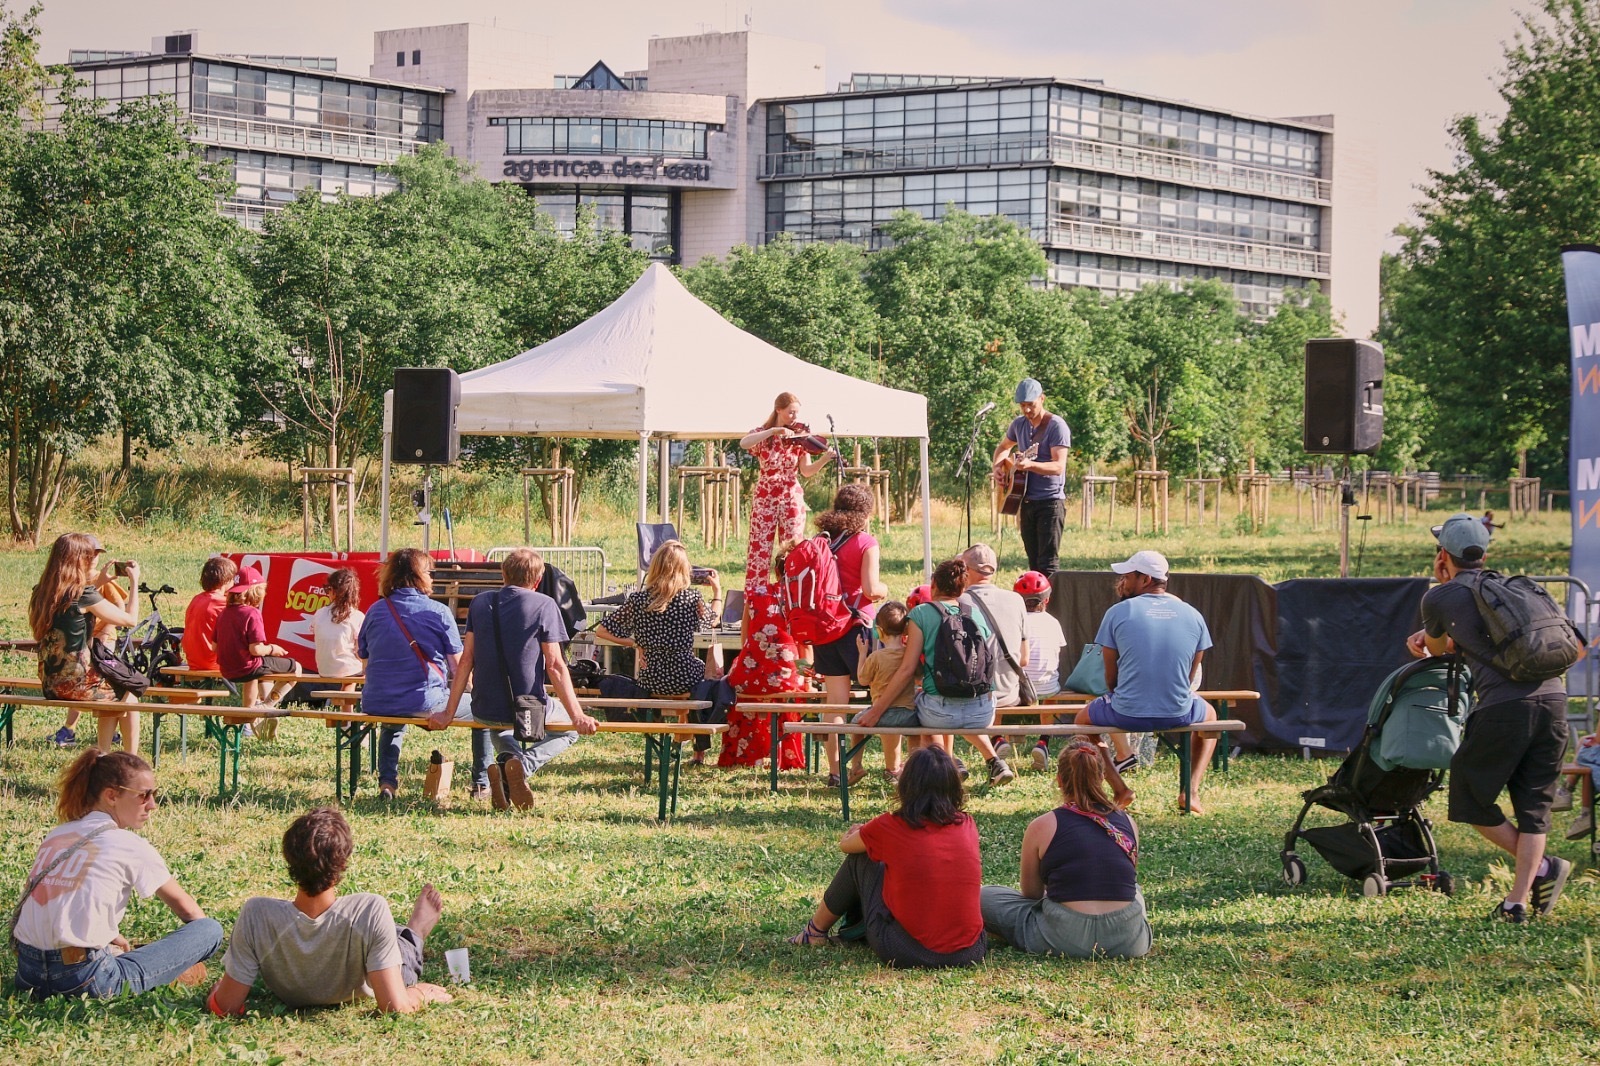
(1044, 499)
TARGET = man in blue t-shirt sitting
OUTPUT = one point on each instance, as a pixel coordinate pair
(1153, 643)
(1044, 499)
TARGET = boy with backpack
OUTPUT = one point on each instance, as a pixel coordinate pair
(1517, 643)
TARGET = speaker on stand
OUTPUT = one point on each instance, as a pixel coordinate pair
(1343, 412)
(424, 430)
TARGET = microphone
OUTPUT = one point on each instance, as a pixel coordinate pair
(986, 408)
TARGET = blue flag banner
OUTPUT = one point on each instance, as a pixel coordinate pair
(1581, 264)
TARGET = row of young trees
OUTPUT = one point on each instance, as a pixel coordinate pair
(129, 307)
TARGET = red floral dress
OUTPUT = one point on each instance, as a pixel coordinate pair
(778, 511)
(766, 665)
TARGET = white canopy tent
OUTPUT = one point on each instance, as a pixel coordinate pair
(660, 364)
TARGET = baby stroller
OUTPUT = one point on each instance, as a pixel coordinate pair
(1413, 727)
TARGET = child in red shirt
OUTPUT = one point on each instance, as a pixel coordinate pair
(200, 618)
(910, 879)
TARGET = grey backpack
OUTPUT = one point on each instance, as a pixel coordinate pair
(1530, 637)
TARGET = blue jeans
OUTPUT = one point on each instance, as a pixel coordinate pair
(390, 737)
(104, 973)
(955, 714)
(505, 741)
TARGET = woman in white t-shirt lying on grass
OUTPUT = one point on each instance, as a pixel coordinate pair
(79, 886)
(321, 948)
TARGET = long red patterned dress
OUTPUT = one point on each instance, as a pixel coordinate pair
(766, 665)
(778, 510)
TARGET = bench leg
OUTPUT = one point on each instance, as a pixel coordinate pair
(1185, 762)
(677, 762)
(338, 763)
(183, 738)
(228, 738)
(661, 776)
(7, 712)
(774, 727)
(1221, 757)
(155, 741)
(844, 775)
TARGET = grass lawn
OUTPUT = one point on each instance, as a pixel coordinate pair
(598, 935)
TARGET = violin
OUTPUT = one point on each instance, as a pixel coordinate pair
(809, 441)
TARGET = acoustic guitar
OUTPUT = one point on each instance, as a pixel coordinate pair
(1013, 484)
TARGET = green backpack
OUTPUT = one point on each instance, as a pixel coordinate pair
(1418, 713)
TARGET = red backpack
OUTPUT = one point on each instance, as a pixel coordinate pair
(809, 590)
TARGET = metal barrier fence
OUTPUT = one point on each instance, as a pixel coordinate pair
(585, 566)
(1583, 680)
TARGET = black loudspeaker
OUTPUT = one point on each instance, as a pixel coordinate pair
(425, 399)
(1344, 397)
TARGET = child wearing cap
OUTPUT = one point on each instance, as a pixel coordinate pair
(243, 652)
(1044, 639)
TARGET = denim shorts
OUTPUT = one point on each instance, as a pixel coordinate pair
(958, 714)
(1589, 758)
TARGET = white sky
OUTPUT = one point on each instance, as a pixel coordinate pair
(1392, 72)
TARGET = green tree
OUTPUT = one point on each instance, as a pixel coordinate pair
(1475, 306)
(121, 297)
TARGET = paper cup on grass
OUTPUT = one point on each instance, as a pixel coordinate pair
(460, 967)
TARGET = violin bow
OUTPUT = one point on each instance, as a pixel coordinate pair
(838, 457)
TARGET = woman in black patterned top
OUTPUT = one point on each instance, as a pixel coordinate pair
(660, 620)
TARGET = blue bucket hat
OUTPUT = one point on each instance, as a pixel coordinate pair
(1028, 390)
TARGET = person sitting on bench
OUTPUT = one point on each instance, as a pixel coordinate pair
(909, 881)
(321, 948)
(88, 867)
(1080, 890)
(1153, 643)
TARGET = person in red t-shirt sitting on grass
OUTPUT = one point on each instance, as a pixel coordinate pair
(909, 883)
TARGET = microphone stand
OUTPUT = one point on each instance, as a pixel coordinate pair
(966, 467)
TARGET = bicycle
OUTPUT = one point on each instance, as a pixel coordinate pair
(151, 646)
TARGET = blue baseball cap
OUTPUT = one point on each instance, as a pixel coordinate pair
(1463, 536)
(1028, 390)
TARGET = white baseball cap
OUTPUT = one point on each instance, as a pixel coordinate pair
(1149, 563)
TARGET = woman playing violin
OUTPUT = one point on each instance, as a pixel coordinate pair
(779, 510)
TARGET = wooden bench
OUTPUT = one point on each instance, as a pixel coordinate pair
(660, 738)
(845, 731)
(162, 692)
(184, 673)
(225, 724)
(1577, 774)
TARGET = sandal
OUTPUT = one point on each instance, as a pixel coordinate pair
(811, 936)
(858, 775)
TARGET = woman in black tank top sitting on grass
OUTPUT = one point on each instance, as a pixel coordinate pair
(1080, 890)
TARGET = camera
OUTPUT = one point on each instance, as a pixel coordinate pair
(121, 566)
(700, 575)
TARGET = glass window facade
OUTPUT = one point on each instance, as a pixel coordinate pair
(277, 179)
(854, 209)
(129, 82)
(1085, 197)
(1257, 293)
(305, 99)
(604, 136)
(648, 216)
(1084, 113)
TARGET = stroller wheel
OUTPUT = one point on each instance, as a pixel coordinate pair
(1445, 883)
(1374, 885)
(1294, 869)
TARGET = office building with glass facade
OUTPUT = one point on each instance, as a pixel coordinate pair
(1120, 190)
(734, 138)
(285, 123)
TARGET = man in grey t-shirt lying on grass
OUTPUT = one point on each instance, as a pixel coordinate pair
(322, 948)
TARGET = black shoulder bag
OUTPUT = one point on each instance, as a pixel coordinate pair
(527, 712)
(1027, 695)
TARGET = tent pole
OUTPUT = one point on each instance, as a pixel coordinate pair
(383, 483)
(927, 512)
(644, 476)
(663, 476)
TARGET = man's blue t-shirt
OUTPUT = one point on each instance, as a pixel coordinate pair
(397, 683)
(1053, 434)
(527, 620)
(1155, 638)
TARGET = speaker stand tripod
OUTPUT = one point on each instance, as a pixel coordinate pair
(422, 500)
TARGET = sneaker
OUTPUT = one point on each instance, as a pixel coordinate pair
(1582, 824)
(247, 731)
(1000, 772)
(1002, 747)
(1547, 889)
(1040, 757)
(193, 977)
(515, 776)
(116, 738)
(833, 780)
(1127, 765)
(1515, 913)
(65, 738)
(961, 768)
(1563, 800)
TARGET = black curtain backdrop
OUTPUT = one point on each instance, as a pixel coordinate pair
(1315, 649)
